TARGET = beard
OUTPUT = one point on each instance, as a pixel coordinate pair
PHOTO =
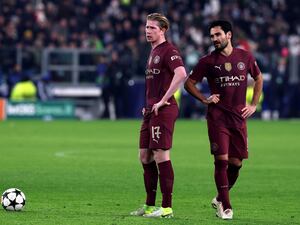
(220, 46)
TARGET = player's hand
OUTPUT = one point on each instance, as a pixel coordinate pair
(248, 111)
(145, 112)
(214, 98)
(158, 105)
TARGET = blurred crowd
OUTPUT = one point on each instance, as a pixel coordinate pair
(268, 28)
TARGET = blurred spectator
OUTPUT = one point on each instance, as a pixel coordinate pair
(116, 85)
(277, 90)
(25, 90)
(104, 83)
(44, 87)
(3, 86)
(292, 92)
(101, 71)
(14, 77)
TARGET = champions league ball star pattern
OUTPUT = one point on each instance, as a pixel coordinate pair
(13, 199)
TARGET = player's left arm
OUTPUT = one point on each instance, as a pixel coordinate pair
(178, 79)
(248, 110)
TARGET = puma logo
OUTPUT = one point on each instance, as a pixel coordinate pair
(155, 140)
(218, 67)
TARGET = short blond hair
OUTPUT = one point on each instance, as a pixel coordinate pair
(163, 22)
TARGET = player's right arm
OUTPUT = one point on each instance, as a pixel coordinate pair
(190, 87)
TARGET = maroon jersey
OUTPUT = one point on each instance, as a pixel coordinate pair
(162, 62)
(227, 76)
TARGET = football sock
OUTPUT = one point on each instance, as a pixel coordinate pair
(232, 174)
(222, 182)
(150, 181)
(166, 179)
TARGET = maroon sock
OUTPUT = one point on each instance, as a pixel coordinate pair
(222, 182)
(232, 174)
(166, 179)
(150, 181)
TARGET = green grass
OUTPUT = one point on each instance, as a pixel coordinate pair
(81, 173)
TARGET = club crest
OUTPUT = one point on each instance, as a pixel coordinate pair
(241, 66)
(228, 66)
(214, 147)
(156, 59)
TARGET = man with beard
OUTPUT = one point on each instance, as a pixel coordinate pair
(226, 70)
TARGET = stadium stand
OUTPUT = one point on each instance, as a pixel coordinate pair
(270, 29)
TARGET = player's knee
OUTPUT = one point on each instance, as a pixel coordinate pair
(145, 156)
(234, 168)
(161, 156)
(158, 158)
(235, 161)
(221, 157)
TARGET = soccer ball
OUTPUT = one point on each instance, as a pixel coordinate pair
(13, 199)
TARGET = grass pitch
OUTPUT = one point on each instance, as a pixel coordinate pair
(86, 173)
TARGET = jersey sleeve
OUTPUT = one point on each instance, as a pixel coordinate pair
(199, 71)
(173, 59)
(253, 67)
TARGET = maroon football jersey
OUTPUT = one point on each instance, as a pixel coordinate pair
(227, 76)
(162, 62)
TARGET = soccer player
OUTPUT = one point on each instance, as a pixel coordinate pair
(226, 70)
(165, 73)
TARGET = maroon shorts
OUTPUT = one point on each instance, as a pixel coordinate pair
(157, 131)
(231, 141)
